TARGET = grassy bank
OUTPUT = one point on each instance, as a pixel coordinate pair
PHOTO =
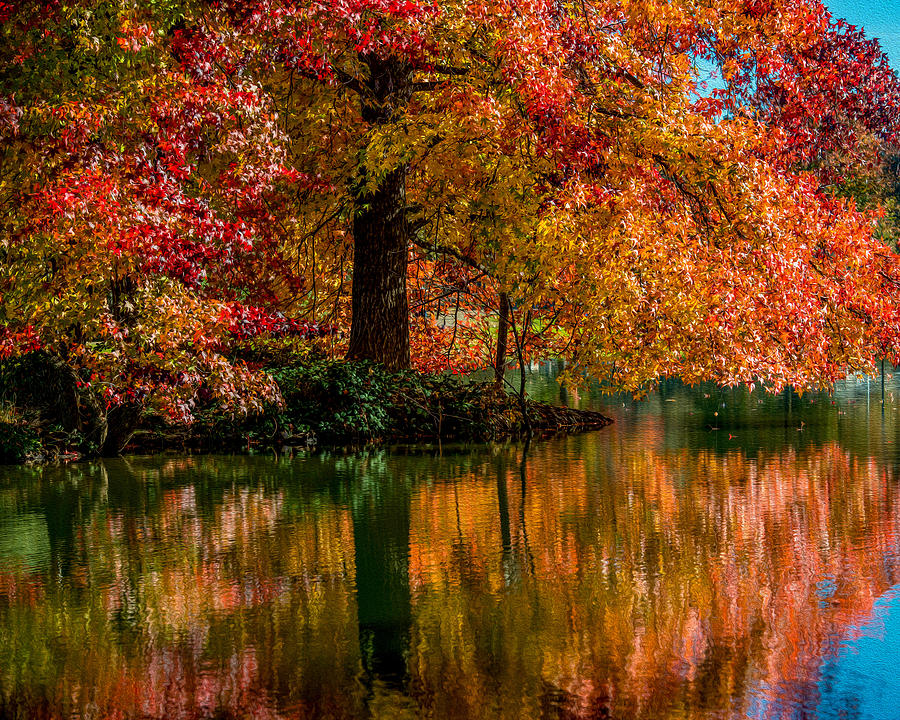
(325, 403)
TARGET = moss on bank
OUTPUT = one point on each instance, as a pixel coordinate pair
(333, 403)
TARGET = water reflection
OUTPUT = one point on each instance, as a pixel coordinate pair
(384, 608)
(619, 574)
(861, 679)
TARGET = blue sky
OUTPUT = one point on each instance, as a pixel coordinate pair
(880, 18)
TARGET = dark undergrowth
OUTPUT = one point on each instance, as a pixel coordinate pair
(326, 402)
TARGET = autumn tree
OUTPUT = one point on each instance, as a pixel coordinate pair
(476, 131)
(127, 216)
(198, 171)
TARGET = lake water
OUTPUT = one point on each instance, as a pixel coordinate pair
(713, 554)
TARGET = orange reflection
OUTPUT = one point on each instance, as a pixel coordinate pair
(604, 577)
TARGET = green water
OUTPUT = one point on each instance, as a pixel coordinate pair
(713, 554)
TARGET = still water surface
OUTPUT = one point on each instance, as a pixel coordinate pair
(714, 554)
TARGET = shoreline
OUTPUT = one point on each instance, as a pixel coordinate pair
(330, 406)
(545, 421)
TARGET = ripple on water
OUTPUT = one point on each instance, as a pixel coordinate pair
(657, 569)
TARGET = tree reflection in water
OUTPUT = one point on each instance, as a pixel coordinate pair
(608, 575)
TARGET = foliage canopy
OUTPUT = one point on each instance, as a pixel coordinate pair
(383, 177)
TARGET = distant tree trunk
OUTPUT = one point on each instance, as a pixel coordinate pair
(520, 353)
(502, 339)
(380, 325)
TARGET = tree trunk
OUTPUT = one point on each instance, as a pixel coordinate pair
(121, 422)
(379, 329)
(520, 352)
(502, 339)
(380, 326)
